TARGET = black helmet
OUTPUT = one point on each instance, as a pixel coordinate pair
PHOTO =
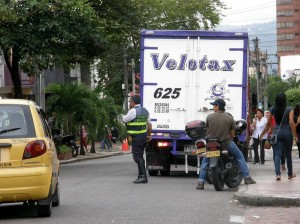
(240, 126)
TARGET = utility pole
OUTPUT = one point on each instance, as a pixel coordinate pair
(133, 75)
(125, 79)
(258, 73)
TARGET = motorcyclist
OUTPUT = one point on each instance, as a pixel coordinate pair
(222, 126)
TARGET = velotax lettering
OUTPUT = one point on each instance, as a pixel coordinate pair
(191, 64)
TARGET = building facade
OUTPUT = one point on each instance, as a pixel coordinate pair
(288, 28)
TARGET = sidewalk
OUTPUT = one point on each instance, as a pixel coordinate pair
(267, 191)
(115, 151)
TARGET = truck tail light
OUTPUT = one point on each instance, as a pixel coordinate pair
(164, 144)
(34, 149)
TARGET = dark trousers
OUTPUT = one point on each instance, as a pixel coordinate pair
(138, 147)
(262, 150)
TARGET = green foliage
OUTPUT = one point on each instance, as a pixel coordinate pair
(123, 26)
(293, 97)
(41, 33)
(276, 85)
(273, 88)
(76, 104)
(63, 149)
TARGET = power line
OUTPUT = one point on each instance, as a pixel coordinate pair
(253, 8)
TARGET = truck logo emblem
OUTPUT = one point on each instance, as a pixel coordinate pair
(218, 90)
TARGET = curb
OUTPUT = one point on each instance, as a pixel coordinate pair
(81, 159)
(265, 200)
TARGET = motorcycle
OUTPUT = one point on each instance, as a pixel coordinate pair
(223, 167)
(68, 140)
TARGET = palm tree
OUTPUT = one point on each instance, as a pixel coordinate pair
(74, 104)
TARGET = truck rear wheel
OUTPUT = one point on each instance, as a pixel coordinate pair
(153, 172)
(165, 172)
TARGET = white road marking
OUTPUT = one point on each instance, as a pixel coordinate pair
(237, 219)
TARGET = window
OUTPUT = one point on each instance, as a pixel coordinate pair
(285, 25)
(16, 122)
(286, 48)
(285, 13)
(284, 2)
(287, 36)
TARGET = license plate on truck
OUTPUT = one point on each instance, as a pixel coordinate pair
(189, 148)
(213, 154)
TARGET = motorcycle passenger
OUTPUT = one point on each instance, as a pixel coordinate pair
(222, 126)
(139, 128)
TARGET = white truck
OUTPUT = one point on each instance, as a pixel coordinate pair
(182, 72)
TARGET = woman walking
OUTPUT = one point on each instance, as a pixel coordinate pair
(285, 129)
(258, 125)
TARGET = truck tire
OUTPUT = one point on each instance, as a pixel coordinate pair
(165, 172)
(153, 172)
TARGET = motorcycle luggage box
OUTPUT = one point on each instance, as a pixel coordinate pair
(196, 129)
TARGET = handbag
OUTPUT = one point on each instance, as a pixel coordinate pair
(267, 145)
(273, 138)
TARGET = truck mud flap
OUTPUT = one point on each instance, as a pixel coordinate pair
(155, 160)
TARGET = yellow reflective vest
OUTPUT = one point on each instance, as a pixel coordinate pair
(139, 124)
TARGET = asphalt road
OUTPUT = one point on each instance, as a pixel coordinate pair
(101, 191)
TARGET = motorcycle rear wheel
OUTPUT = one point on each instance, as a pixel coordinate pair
(209, 177)
(234, 177)
(74, 149)
(217, 174)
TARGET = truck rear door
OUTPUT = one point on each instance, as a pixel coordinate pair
(182, 72)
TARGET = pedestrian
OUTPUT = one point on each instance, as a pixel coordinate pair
(272, 125)
(297, 123)
(52, 120)
(114, 134)
(106, 139)
(139, 127)
(258, 125)
(285, 129)
(84, 137)
(222, 125)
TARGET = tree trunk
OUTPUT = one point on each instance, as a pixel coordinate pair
(82, 152)
(14, 70)
(85, 74)
(93, 148)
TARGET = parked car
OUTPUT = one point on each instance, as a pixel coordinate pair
(29, 168)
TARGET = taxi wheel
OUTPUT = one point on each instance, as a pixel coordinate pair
(56, 196)
(44, 210)
(44, 206)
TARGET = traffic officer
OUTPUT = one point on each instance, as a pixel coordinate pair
(139, 127)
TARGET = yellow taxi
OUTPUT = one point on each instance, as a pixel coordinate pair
(29, 168)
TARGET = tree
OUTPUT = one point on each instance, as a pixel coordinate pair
(76, 104)
(148, 14)
(276, 84)
(293, 97)
(38, 34)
